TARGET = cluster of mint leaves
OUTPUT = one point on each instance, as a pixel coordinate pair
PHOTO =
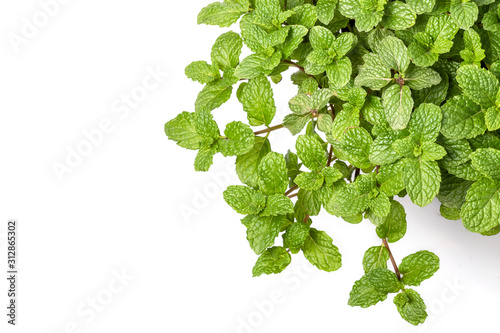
(394, 98)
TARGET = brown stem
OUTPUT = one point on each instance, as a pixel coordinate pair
(386, 245)
(293, 195)
(306, 218)
(299, 67)
(269, 129)
(293, 188)
(357, 171)
(330, 156)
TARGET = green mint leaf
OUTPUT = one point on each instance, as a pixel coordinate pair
(292, 165)
(346, 118)
(411, 306)
(432, 151)
(390, 178)
(479, 84)
(486, 161)
(449, 213)
(277, 204)
(319, 57)
(319, 250)
(434, 94)
(419, 78)
(324, 123)
(473, 52)
(308, 202)
(308, 86)
(382, 152)
(204, 158)
(331, 174)
(353, 198)
(394, 54)
(214, 94)
(321, 38)
(257, 64)
(421, 6)
(223, 14)
(491, 21)
(296, 122)
(373, 111)
(425, 123)
(491, 44)
(398, 16)
(226, 50)
(380, 205)
(310, 180)
(357, 143)
(262, 231)
(418, 267)
(492, 118)
(304, 15)
(344, 43)
(206, 126)
(295, 236)
(375, 257)
(441, 27)
(482, 206)
(366, 20)
(364, 294)
(462, 118)
(405, 147)
(248, 163)
(464, 13)
(310, 152)
(244, 200)
(239, 139)
(320, 99)
(453, 191)
(421, 54)
(272, 172)
(326, 10)
(373, 74)
(301, 104)
(339, 72)
(384, 280)
(182, 130)
(398, 104)
(202, 72)
(293, 40)
(422, 180)
(258, 101)
(393, 226)
(273, 261)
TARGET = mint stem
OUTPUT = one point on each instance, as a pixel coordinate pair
(386, 244)
(269, 129)
(293, 188)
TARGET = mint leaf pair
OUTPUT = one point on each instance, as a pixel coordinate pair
(305, 107)
(329, 55)
(375, 74)
(421, 173)
(482, 204)
(378, 282)
(368, 14)
(482, 87)
(435, 40)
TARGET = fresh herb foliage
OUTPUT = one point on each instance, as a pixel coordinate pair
(393, 98)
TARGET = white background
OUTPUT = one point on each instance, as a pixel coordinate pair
(120, 209)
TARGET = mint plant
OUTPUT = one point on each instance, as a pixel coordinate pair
(393, 99)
